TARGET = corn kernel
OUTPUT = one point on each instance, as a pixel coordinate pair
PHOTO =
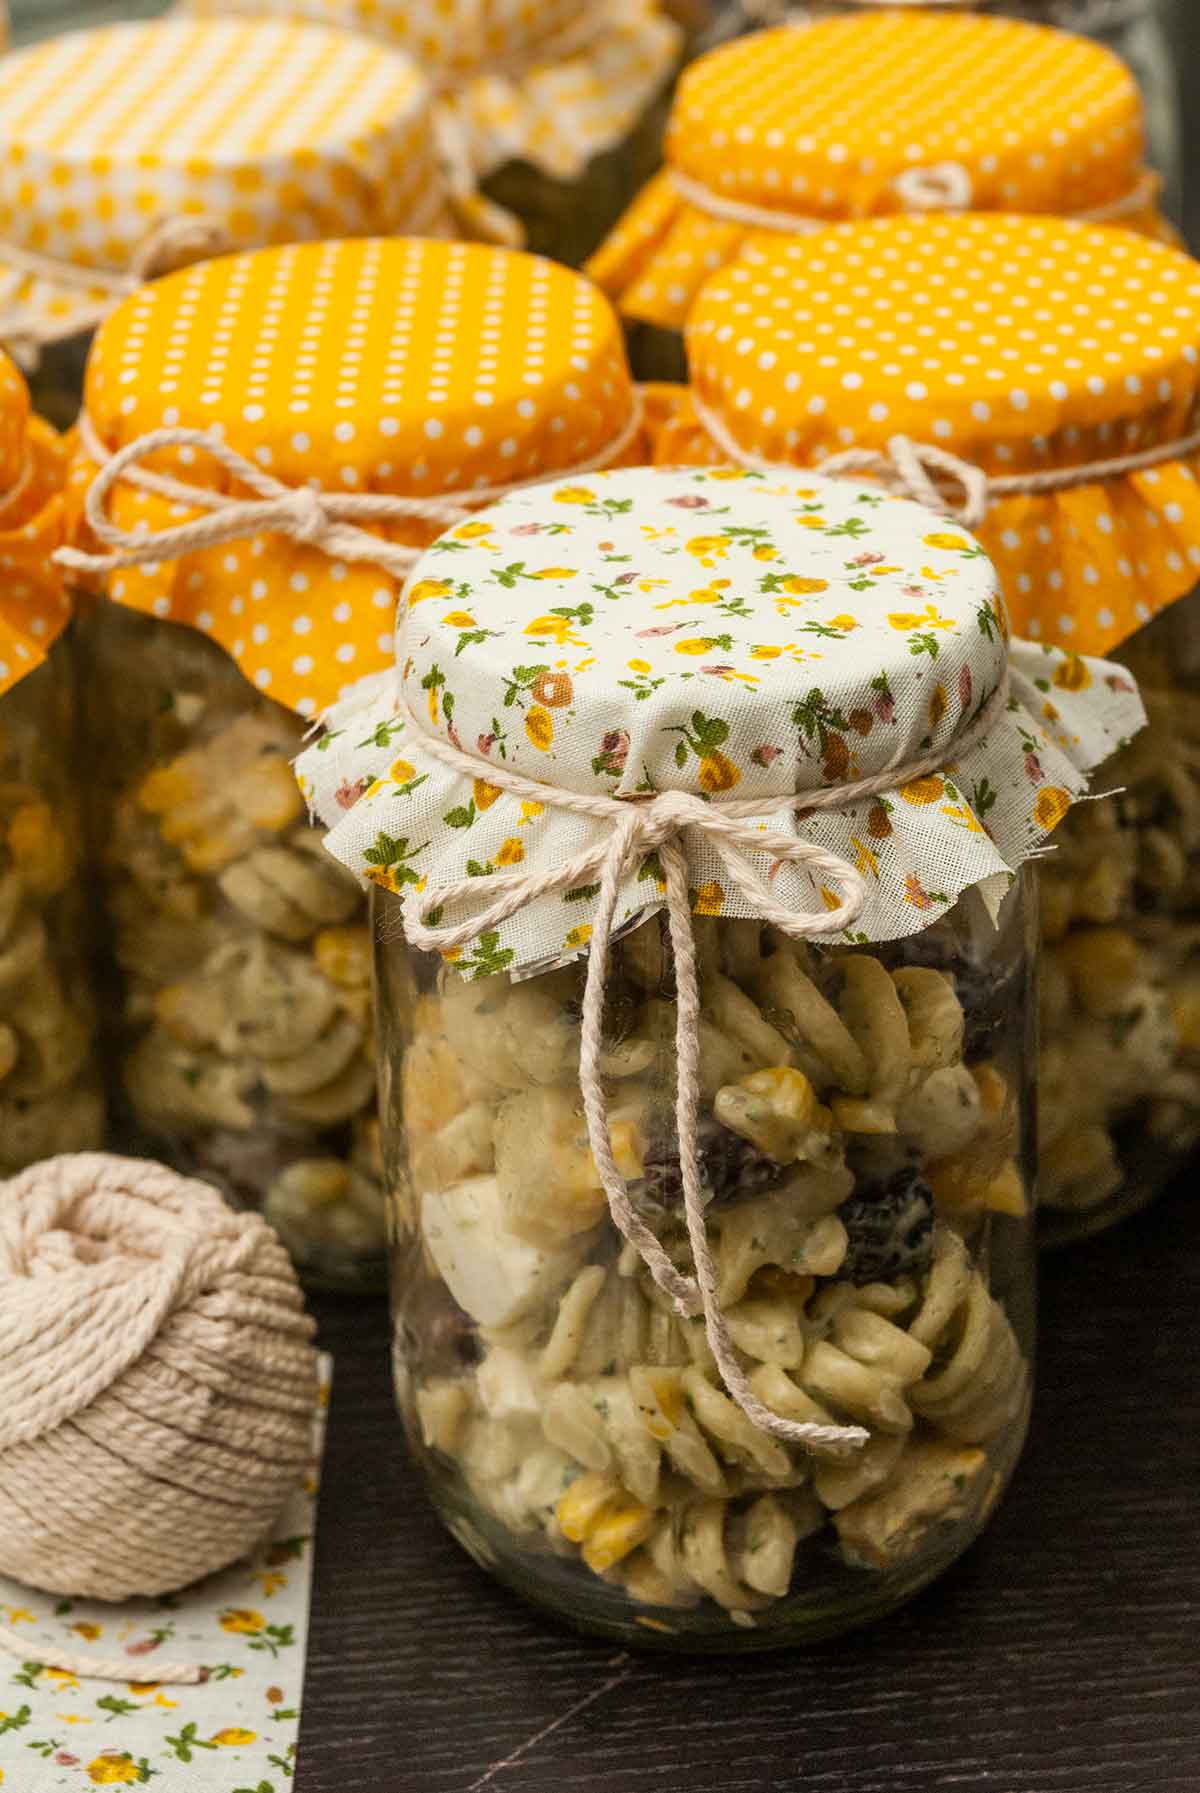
(583, 1501)
(167, 787)
(211, 851)
(267, 796)
(668, 1392)
(40, 849)
(1103, 964)
(993, 1090)
(344, 955)
(629, 1149)
(1185, 1010)
(619, 1529)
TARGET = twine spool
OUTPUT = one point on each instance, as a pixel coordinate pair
(157, 1378)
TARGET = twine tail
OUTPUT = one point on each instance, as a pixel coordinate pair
(98, 1668)
(682, 1289)
(683, 948)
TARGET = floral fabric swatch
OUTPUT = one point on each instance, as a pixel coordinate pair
(233, 1733)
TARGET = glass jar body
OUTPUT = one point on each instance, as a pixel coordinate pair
(1119, 1090)
(566, 218)
(50, 1086)
(240, 1006)
(865, 1131)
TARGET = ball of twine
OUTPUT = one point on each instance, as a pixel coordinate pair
(158, 1378)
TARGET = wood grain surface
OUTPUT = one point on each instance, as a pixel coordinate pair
(1062, 1655)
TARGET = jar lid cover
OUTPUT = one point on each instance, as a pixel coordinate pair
(553, 82)
(778, 133)
(824, 117)
(254, 130)
(737, 641)
(1018, 344)
(411, 367)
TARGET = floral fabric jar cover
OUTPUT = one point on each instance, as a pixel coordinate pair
(900, 113)
(692, 665)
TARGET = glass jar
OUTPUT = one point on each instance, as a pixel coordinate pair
(873, 1244)
(738, 178)
(50, 1088)
(1102, 565)
(1119, 1080)
(178, 183)
(242, 1003)
(241, 1017)
(612, 1351)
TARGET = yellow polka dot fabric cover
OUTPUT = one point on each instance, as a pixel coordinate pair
(836, 120)
(1018, 344)
(645, 631)
(34, 604)
(553, 82)
(406, 366)
(261, 131)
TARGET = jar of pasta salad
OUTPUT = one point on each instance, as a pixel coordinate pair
(705, 1067)
(321, 408)
(555, 107)
(50, 1087)
(134, 170)
(1056, 363)
(901, 112)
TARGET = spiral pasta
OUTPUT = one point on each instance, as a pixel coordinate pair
(850, 1146)
(248, 1036)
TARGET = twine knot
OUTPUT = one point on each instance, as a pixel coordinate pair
(941, 187)
(309, 520)
(734, 829)
(331, 521)
(920, 471)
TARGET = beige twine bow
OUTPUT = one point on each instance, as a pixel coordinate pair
(169, 244)
(922, 471)
(637, 827)
(330, 521)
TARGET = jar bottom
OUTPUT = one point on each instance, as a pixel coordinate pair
(1150, 1167)
(597, 1608)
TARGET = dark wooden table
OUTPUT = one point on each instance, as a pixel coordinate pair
(1062, 1655)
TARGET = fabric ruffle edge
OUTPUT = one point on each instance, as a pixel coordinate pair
(558, 115)
(35, 604)
(402, 820)
(663, 249)
(1083, 569)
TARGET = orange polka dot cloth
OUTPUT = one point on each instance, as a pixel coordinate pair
(34, 603)
(1021, 345)
(857, 117)
(131, 149)
(708, 632)
(400, 367)
(551, 82)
